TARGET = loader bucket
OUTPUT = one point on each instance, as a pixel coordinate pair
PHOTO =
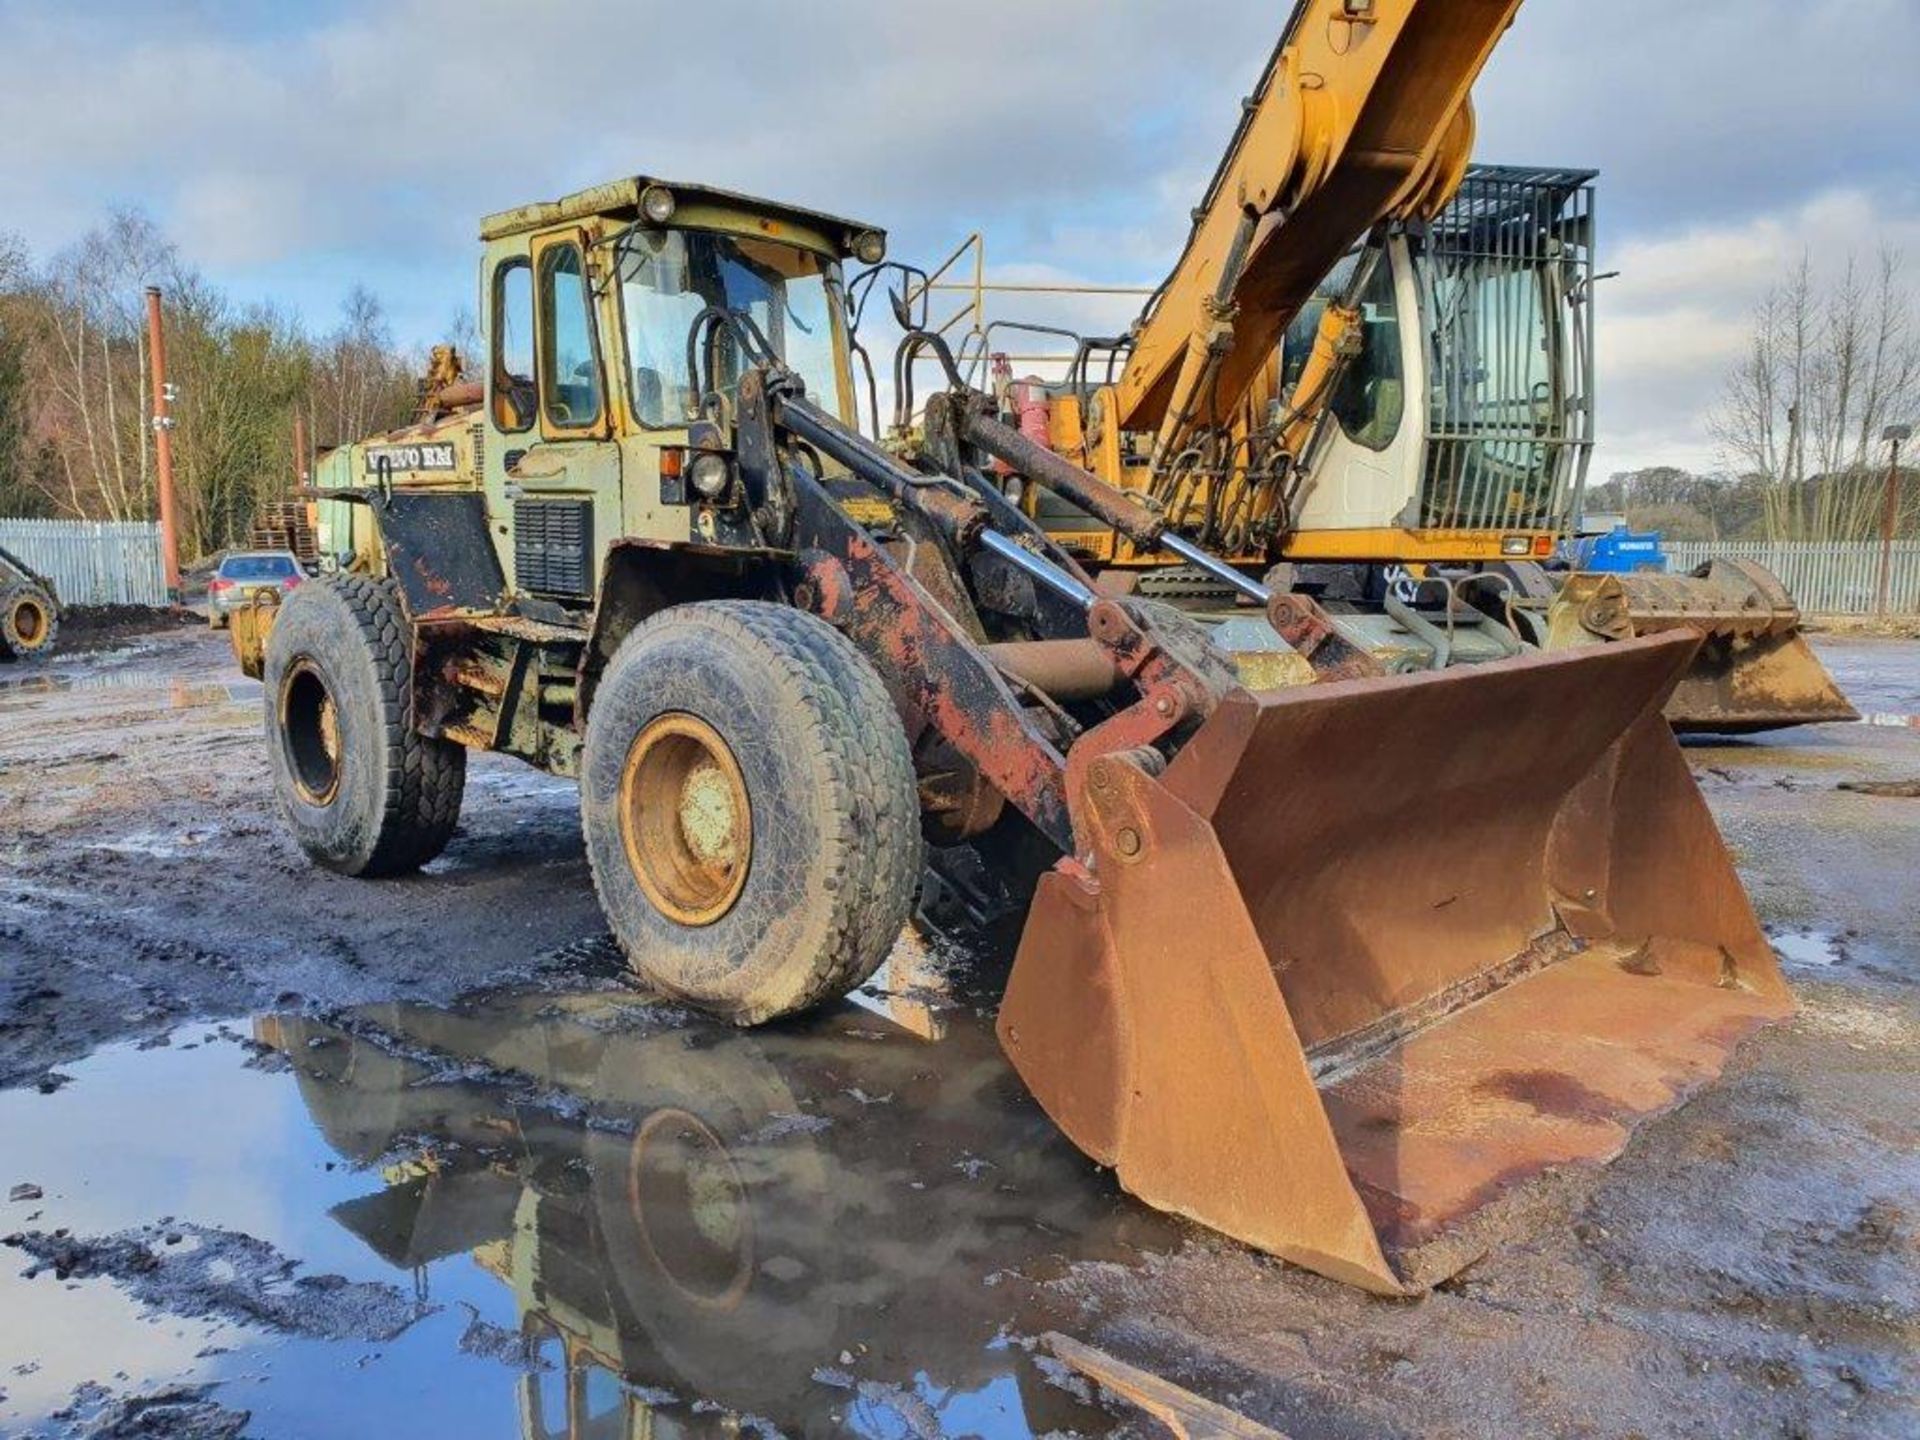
(1755, 669)
(1369, 953)
(247, 631)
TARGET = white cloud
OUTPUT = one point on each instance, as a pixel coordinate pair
(1680, 315)
(294, 151)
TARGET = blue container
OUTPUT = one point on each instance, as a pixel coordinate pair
(1620, 552)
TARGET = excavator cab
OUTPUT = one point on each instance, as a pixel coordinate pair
(1466, 409)
(1468, 403)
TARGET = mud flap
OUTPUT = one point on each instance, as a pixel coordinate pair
(438, 549)
(1370, 953)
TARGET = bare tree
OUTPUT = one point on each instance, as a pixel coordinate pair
(361, 386)
(75, 437)
(1828, 368)
(463, 334)
(88, 364)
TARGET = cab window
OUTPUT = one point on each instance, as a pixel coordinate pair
(513, 345)
(570, 373)
(1371, 398)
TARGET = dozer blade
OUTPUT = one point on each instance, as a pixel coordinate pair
(1755, 670)
(1369, 953)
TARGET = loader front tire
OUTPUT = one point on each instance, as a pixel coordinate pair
(750, 811)
(364, 792)
(29, 621)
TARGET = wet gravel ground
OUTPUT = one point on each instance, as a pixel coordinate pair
(300, 1155)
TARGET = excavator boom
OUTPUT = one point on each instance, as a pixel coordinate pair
(1362, 116)
(1455, 928)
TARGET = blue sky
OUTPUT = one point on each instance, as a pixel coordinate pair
(293, 149)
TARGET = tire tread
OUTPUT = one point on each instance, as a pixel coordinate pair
(875, 847)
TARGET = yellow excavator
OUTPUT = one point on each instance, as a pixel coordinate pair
(1406, 433)
(1386, 1044)
(1323, 957)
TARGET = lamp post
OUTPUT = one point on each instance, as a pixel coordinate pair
(1895, 436)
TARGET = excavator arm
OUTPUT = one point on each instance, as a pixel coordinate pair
(1363, 116)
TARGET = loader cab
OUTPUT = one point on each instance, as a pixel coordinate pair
(587, 304)
(1469, 407)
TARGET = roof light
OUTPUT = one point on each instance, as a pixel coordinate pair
(869, 247)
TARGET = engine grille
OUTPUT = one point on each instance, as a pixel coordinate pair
(553, 546)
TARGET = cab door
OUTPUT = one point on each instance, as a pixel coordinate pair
(562, 473)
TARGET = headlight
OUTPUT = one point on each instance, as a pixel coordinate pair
(657, 203)
(1516, 545)
(710, 474)
(869, 247)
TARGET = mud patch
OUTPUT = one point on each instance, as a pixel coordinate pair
(206, 1274)
(1885, 789)
(455, 1099)
(181, 1412)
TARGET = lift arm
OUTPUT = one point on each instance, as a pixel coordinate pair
(1363, 116)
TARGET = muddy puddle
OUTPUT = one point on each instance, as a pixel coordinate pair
(1881, 677)
(24, 691)
(552, 1213)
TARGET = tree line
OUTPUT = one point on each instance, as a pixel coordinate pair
(1829, 365)
(76, 439)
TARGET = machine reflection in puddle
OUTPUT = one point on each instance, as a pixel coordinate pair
(661, 1226)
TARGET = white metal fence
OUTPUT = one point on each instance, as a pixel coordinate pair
(119, 564)
(1823, 578)
(92, 563)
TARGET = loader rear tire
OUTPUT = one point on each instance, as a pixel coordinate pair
(29, 621)
(750, 810)
(364, 792)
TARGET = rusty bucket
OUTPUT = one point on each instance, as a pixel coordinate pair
(247, 631)
(1368, 954)
(1755, 669)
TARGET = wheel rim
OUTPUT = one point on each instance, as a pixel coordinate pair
(30, 624)
(688, 1202)
(686, 819)
(310, 722)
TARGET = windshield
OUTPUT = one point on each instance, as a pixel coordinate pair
(1371, 397)
(667, 277)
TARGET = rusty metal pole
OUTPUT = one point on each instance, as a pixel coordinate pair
(1895, 436)
(163, 444)
(302, 452)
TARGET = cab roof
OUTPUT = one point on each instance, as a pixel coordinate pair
(621, 199)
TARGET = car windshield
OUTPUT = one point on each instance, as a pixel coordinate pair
(667, 277)
(256, 567)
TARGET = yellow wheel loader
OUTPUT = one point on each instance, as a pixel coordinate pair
(1322, 957)
(29, 611)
